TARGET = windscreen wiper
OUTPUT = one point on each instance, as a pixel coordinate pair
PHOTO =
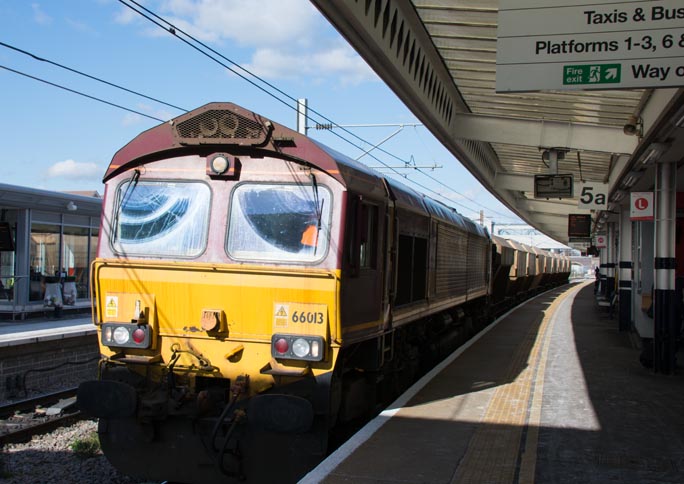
(319, 208)
(126, 196)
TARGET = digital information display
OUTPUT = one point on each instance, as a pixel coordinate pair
(553, 186)
(579, 226)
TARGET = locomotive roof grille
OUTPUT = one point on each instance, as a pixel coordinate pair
(221, 126)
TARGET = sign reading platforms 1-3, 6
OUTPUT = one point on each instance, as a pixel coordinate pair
(585, 44)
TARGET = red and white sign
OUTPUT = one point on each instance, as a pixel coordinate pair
(641, 206)
(601, 241)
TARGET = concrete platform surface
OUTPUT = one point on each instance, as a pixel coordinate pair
(35, 330)
(551, 393)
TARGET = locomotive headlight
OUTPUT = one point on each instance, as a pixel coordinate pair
(219, 165)
(121, 335)
(301, 347)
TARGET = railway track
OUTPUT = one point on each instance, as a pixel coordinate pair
(19, 421)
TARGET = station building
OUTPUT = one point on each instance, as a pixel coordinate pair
(47, 241)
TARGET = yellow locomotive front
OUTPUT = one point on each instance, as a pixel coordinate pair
(216, 296)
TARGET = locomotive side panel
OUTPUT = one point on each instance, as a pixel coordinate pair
(363, 283)
(413, 237)
(452, 263)
(479, 260)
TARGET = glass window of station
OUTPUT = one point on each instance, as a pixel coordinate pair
(7, 254)
(59, 249)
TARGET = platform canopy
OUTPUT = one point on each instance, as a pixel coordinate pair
(439, 57)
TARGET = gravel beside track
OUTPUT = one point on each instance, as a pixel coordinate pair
(49, 459)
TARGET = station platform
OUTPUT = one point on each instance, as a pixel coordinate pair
(43, 355)
(17, 333)
(552, 392)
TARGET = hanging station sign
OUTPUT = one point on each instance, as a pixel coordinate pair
(593, 196)
(589, 44)
(579, 227)
(601, 241)
(553, 186)
(641, 206)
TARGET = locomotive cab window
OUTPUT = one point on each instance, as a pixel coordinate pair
(279, 223)
(161, 218)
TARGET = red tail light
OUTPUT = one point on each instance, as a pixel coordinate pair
(281, 346)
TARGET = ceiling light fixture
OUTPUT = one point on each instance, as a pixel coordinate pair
(655, 151)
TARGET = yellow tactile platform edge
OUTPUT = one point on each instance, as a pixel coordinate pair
(497, 452)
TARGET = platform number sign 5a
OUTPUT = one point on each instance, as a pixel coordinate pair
(594, 196)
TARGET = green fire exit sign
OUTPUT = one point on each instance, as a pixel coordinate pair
(591, 74)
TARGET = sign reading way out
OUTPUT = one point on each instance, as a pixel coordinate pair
(578, 44)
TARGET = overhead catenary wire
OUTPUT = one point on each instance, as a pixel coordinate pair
(89, 76)
(94, 98)
(118, 106)
(174, 30)
(464, 196)
(408, 165)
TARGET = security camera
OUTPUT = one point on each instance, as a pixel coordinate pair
(632, 127)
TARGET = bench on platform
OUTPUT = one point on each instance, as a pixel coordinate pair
(608, 303)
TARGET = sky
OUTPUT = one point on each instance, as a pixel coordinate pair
(56, 139)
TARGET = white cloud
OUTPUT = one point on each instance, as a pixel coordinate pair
(39, 15)
(131, 119)
(81, 27)
(248, 22)
(74, 170)
(274, 64)
(345, 63)
(340, 63)
(126, 16)
(291, 40)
